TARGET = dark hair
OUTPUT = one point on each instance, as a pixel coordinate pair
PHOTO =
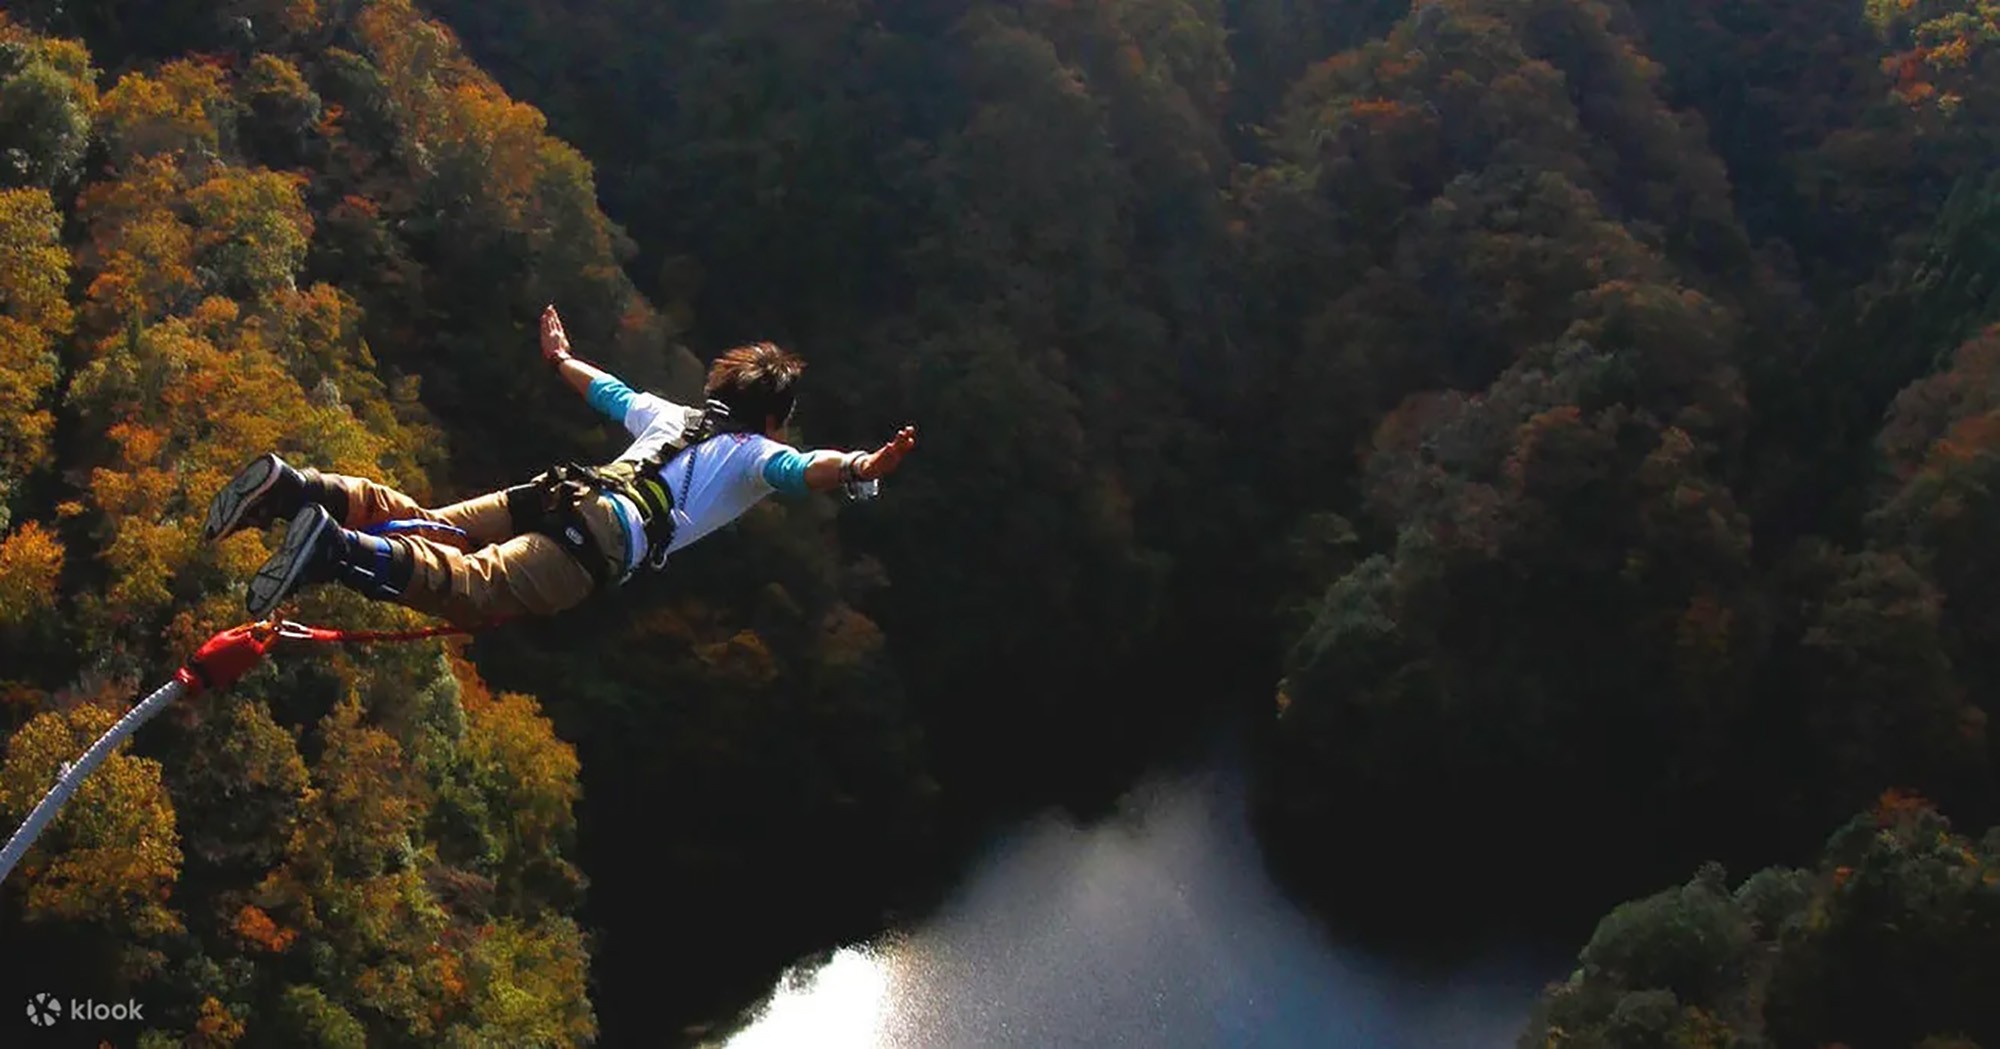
(755, 381)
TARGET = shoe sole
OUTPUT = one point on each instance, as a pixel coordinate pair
(281, 571)
(243, 490)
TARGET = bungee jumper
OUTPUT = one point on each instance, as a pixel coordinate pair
(539, 548)
(534, 549)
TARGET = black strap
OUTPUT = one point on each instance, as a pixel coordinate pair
(550, 504)
(527, 506)
(701, 424)
(656, 552)
(573, 536)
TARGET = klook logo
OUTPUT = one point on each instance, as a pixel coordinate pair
(45, 1009)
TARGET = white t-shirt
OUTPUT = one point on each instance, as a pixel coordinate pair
(728, 476)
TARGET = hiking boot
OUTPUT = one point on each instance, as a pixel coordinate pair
(317, 550)
(306, 556)
(267, 489)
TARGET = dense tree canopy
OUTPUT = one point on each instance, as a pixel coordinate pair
(1879, 942)
(1581, 409)
(227, 252)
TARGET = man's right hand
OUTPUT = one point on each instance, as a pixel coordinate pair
(555, 342)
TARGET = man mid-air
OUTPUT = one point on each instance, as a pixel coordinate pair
(545, 546)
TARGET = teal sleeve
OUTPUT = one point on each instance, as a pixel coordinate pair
(786, 472)
(610, 396)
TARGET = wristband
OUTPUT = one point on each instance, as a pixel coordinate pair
(851, 483)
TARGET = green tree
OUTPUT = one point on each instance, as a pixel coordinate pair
(47, 92)
(1885, 940)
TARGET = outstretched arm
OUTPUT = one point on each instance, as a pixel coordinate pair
(796, 473)
(600, 388)
(826, 471)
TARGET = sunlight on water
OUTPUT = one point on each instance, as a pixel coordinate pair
(842, 1004)
(1157, 928)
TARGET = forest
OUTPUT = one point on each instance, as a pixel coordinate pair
(1565, 432)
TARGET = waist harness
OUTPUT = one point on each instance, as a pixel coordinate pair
(551, 503)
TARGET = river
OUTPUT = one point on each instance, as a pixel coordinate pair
(1155, 928)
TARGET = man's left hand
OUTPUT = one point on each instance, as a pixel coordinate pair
(883, 461)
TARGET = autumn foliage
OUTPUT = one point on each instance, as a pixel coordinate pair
(160, 323)
(1580, 411)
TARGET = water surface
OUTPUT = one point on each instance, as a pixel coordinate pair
(1157, 928)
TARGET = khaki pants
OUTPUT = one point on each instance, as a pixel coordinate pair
(490, 572)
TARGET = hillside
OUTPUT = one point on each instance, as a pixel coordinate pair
(1560, 428)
